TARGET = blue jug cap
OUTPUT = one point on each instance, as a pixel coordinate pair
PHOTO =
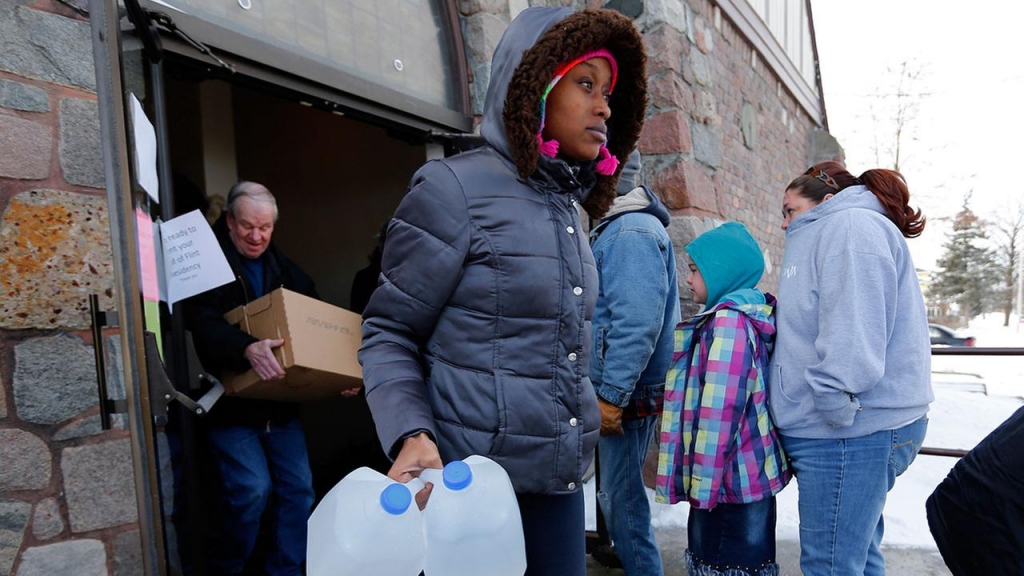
(457, 475)
(395, 499)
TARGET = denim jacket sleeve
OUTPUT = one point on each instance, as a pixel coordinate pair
(427, 243)
(634, 284)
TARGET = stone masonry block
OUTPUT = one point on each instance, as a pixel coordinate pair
(47, 521)
(3, 399)
(81, 150)
(703, 35)
(482, 34)
(671, 12)
(685, 229)
(707, 145)
(46, 46)
(700, 65)
(748, 126)
(14, 516)
(25, 461)
(666, 133)
(78, 557)
(128, 554)
(471, 7)
(478, 87)
(23, 97)
(99, 485)
(26, 149)
(665, 50)
(54, 379)
(88, 426)
(686, 185)
(54, 252)
(705, 108)
(669, 91)
(824, 147)
(629, 8)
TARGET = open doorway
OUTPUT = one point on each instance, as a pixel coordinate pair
(336, 179)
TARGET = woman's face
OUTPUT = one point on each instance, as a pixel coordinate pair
(696, 283)
(577, 109)
(793, 205)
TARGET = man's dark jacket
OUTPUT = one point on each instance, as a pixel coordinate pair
(221, 346)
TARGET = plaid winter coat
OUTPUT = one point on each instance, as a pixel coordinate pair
(718, 443)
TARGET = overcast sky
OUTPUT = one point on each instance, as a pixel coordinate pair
(970, 118)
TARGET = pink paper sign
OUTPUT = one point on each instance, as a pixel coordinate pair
(147, 257)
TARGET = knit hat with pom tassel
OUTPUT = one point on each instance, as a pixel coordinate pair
(607, 163)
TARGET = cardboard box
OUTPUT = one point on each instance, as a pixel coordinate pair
(319, 352)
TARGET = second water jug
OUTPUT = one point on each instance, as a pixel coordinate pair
(472, 521)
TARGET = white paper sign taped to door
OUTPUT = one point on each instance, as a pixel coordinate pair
(193, 260)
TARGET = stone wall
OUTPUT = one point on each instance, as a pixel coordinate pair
(67, 497)
(723, 135)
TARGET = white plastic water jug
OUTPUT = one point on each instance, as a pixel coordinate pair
(472, 521)
(366, 524)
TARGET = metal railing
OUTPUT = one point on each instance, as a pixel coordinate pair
(965, 351)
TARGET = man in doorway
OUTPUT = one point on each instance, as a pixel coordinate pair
(637, 312)
(258, 445)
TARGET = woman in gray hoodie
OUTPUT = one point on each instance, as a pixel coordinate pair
(850, 379)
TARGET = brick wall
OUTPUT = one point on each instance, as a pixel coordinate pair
(67, 495)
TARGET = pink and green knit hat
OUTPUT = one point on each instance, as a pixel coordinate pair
(607, 163)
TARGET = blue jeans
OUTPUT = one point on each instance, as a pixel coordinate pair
(732, 539)
(255, 464)
(623, 498)
(843, 486)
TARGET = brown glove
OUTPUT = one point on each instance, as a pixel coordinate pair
(611, 418)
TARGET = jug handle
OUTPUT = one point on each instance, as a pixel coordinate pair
(433, 475)
(418, 484)
(415, 485)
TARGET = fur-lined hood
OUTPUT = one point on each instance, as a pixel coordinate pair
(538, 41)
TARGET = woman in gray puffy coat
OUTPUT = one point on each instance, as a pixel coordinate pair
(477, 340)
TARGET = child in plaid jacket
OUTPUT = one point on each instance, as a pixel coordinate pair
(719, 450)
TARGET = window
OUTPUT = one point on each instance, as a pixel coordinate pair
(408, 48)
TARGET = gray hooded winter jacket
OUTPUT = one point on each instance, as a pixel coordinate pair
(480, 330)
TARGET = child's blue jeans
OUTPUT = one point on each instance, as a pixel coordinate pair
(732, 539)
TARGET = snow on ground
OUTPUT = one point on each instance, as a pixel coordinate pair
(962, 414)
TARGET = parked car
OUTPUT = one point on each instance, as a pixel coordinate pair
(945, 336)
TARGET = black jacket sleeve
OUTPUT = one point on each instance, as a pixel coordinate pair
(220, 345)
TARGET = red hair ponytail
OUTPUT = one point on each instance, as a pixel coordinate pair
(891, 190)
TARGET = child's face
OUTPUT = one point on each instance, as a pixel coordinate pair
(577, 109)
(696, 283)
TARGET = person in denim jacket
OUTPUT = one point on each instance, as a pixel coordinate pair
(637, 310)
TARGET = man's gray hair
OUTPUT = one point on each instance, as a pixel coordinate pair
(253, 191)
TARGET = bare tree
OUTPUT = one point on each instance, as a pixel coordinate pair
(907, 106)
(1007, 227)
(894, 110)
